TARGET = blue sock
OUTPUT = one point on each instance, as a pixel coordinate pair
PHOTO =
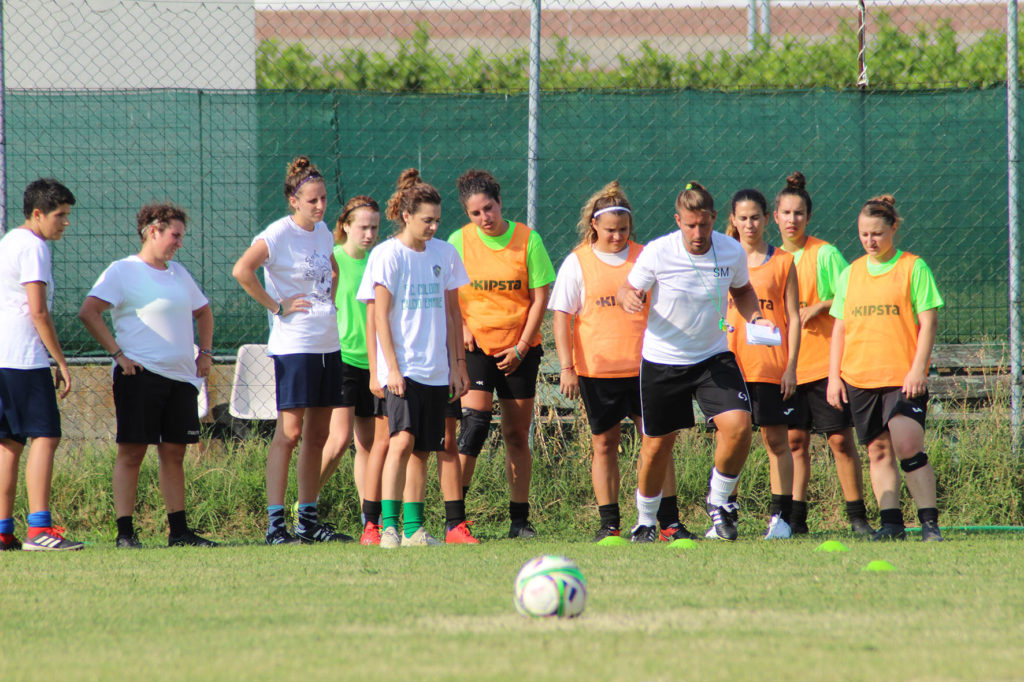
(307, 516)
(7, 526)
(40, 519)
(275, 516)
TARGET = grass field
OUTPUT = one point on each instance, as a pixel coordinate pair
(746, 610)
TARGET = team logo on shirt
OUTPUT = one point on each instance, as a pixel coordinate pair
(437, 270)
(605, 301)
(497, 284)
(723, 271)
(881, 310)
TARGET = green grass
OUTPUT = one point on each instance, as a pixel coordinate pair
(747, 610)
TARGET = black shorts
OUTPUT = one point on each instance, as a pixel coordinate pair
(484, 374)
(380, 406)
(308, 380)
(453, 409)
(609, 400)
(28, 405)
(667, 392)
(769, 409)
(813, 413)
(355, 389)
(420, 412)
(153, 409)
(872, 409)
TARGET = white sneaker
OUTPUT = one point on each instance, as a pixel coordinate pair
(389, 538)
(778, 529)
(421, 538)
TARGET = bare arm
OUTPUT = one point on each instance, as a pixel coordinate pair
(458, 380)
(792, 300)
(204, 329)
(371, 350)
(91, 315)
(629, 299)
(916, 381)
(568, 381)
(43, 323)
(245, 272)
(383, 301)
(747, 304)
(836, 392)
(812, 311)
(335, 277)
(508, 359)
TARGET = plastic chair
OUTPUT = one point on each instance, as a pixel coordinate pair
(253, 393)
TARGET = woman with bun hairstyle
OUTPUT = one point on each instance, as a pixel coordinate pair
(770, 371)
(412, 280)
(296, 253)
(510, 273)
(153, 301)
(818, 265)
(886, 310)
(599, 349)
(355, 233)
(690, 275)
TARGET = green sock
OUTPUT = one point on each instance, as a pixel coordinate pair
(412, 513)
(390, 509)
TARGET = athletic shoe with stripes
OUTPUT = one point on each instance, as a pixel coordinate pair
(280, 536)
(189, 539)
(723, 521)
(49, 540)
(644, 534)
(9, 542)
(778, 529)
(459, 534)
(675, 531)
(371, 534)
(421, 538)
(606, 532)
(321, 532)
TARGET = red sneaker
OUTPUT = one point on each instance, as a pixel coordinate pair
(8, 541)
(676, 531)
(371, 534)
(49, 539)
(461, 535)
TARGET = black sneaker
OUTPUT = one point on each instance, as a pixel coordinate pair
(606, 532)
(645, 534)
(889, 531)
(189, 539)
(861, 527)
(799, 527)
(9, 542)
(675, 531)
(930, 532)
(723, 520)
(522, 530)
(321, 532)
(128, 542)
(280, 536)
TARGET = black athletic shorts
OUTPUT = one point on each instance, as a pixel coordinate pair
(872, 409)
(420, 412)
(453, 409)
(355, 389)
(769, 409)
(153, 409)
(667, 392)
(609, 400)
(484, 374)
(813, 413)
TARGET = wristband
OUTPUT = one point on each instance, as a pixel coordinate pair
(116, 354)
(516, 349)
(755, 317)
(569, 368)
(204, 351)
(280, 309)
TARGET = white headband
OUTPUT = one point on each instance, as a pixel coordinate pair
(609, 209)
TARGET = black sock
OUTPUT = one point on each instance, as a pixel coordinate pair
(893, 517)
(782, 505)
(454, 513)
(609, 515)
(733, 498)
(176, 523)
(856, 510)
(465, 491)
(799, 512)
(125, 526)
(372, 510)
(668, 511)
(928, 514)
(518, 512)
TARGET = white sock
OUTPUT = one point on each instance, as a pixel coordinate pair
(647, 509)
(722, 487)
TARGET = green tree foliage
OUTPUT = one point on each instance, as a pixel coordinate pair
(930, 57)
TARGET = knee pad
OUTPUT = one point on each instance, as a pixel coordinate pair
(914, 463)
(473, 433)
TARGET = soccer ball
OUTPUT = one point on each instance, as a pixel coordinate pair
(550, 586)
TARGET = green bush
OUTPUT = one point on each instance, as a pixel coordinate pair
(930, 57)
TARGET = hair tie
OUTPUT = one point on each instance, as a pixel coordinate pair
(689, 185)
(609, 209)
(311, 176)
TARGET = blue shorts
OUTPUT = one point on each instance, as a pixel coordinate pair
(308, 380)
(28, 405)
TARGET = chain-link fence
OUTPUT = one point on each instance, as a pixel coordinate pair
(204, 103)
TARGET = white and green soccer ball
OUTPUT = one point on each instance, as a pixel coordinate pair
(550, 586)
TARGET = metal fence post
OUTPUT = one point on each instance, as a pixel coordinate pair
(3, 130)
(533, 132)
(1012, 167)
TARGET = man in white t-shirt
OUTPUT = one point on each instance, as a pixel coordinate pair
(28, 405)
(690, 275)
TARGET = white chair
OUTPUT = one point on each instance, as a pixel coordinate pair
(253, 392)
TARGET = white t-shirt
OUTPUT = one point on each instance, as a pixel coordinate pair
(300, 263)
(152, 315)
(24, 258)
(418, 281)
(569, 290)
(689, 295)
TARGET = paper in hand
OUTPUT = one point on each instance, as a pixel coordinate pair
(759, 335)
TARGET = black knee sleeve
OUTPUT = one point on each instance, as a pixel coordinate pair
(914, 463)
(473, 433)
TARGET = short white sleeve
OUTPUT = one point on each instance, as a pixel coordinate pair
(24, 258)
(567, 292)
